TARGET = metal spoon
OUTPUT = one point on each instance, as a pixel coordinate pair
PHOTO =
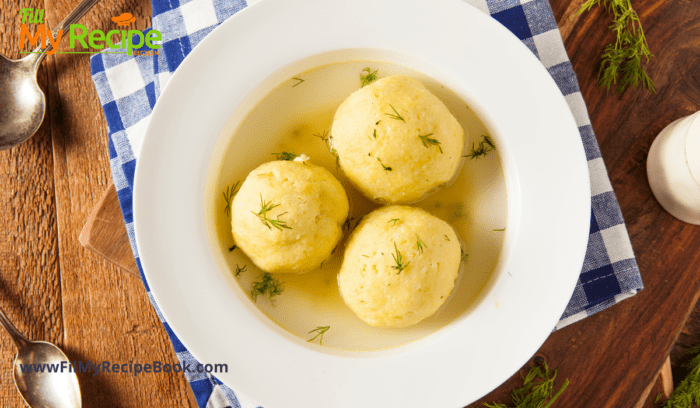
(22, 103)
(42, 389)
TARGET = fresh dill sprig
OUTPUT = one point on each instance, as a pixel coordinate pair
(463, 256)
(369, 77)
(398, 258)
(537, 390)
(239, 269)
(375, 133)
(485, 146)
(266, 285)
(386, 168)
(395, 115)
(688, 391)
(297, 79)
(502, 229)
(228, 196)
(319, 332)
(427, 141)
(622, 62)
(394, 220)
(269, 223)
(420, 245)
(285, 156)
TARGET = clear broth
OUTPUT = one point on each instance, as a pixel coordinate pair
(289, 119)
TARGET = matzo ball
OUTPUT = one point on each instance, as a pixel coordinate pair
(399, 267)
(396, 141)
(288, 216)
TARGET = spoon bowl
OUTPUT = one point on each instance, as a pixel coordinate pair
(42, 372)
(57, 386)
(23, 102)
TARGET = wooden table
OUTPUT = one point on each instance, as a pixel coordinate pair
(55, 290)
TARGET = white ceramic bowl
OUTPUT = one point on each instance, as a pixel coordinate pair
(546, 176)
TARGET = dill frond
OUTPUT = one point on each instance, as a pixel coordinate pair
(270, 223)
(367, 76)
(427, 141)
(319, 332)
(239, 269)
(395, 115)
(420, 245)
(537, 390)
(398, 258)
(285, 156)
(485, 146)
(266, 285)
(228, 196)
(386, 168)
(622, 62)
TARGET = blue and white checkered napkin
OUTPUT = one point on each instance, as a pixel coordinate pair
(128, 88)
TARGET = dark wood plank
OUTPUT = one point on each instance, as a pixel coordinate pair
(30, 290)
(107, 314)
(613, 356)
(105, 233)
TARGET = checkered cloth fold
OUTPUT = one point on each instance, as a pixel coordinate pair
(129, 86)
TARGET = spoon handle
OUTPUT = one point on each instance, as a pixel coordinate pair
(71, 18)
(17, 337)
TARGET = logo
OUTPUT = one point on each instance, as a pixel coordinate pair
(80, 38)
(124, 19)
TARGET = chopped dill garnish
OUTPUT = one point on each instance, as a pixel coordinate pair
(502, 229)
(358, 221)
(427, 141)
(375, 133)
(395, 115)
(319, 332)
(228, 196)
(297, 79)
(233, 248)
(337, 158)
(266, 285)
(394, 220)
(398, 258)
(386, 168)
(463, 255)
(239, 269)
(485, 146)
(420, 245)
(285, 156)
(446, 238)
(621, 62)
(348, 223)
(537, 390)
(269, 223)
(323, 136)
(369, 77)
(378, 122)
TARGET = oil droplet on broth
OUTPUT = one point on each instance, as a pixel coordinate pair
(297, 119)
